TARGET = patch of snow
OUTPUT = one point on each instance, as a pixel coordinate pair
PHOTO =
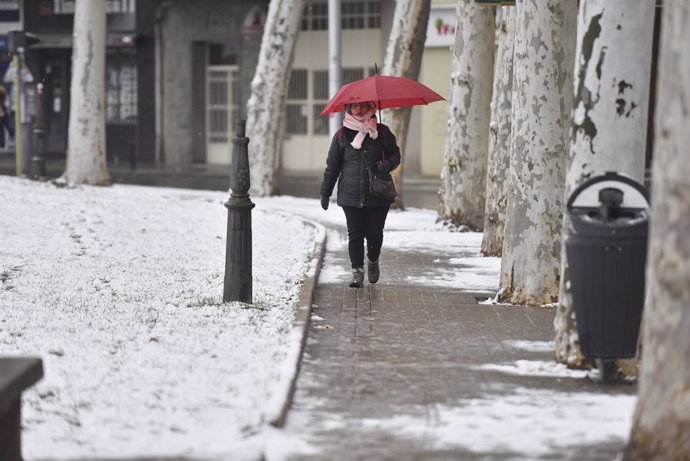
(535, 368)
(499, 423)
(119, 291)
(532, 346)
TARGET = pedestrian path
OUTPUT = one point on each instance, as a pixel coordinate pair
(405, 371)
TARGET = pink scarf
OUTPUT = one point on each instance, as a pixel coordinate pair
(366, 124)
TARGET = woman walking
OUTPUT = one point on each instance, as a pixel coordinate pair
(360, 145)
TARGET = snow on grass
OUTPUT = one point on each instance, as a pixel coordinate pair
(119, 291)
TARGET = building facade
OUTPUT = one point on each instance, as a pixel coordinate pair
(179, 74)
(50, 62)
(206, 54)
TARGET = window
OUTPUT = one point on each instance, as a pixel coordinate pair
(374, 15)
(320, 99)
(296, 103)
(222, 54)
(120, 6)
(307, 97)
(298, 84)
(350, 74)
(67, 7)
(315, 16)
(321, 84)
(121, 91)
(321, 124)
(355, 14)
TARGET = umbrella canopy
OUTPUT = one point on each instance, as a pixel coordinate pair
(385, 91)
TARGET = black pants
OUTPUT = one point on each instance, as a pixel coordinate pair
(365, 223)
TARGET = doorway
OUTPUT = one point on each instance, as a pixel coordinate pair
(221, 111)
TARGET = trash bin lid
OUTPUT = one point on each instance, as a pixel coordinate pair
(586, 195)
(609, 204)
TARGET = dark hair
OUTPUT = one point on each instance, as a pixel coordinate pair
(370, 105)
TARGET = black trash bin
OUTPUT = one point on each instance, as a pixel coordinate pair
(606, 246)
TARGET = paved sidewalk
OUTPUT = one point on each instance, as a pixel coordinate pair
(385, 364)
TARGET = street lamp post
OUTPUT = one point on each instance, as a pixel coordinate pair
(237, 284)
(18, 150)
(18, 41)
(38, 161)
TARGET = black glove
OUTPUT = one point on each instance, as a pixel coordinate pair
(324, 202)
(384, 166)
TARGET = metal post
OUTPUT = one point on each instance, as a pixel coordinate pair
(38, 161)
(18, 151)
(238, 251)
(334, 60)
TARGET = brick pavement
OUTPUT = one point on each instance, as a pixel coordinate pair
(397, 351)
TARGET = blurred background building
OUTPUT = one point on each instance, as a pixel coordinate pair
(179, 73)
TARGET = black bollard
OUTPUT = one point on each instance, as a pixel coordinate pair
(238, 251)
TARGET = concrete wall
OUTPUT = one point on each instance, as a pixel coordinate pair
(180, 28)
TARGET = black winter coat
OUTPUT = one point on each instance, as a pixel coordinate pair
(346, 166)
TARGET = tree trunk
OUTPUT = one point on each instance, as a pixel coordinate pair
(86, 159)
(662, 418)
(498, 164)
(542, 102)
(266, 105)
(609, 131)
(463, 176)
(404, 59)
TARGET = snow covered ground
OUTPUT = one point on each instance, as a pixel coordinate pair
(119, 291)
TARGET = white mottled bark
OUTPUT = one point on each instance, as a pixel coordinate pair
(404, 59)
(266, 105)
(463, 176)
(542, 102)
(86, 159)
(609, 130)
(498, 163)
(661, 424)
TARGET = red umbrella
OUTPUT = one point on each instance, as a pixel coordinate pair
(385, 91)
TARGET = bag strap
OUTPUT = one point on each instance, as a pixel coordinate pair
(365, 161)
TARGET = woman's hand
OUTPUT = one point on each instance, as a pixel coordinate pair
(384, 166)
(324, 202)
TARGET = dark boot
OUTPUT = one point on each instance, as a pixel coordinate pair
(357, 277)
(373, 271)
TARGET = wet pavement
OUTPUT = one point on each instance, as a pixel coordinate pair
(393, 371)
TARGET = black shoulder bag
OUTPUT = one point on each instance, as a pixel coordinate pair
(380, 187)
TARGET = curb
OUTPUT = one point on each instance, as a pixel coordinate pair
(300, 329)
